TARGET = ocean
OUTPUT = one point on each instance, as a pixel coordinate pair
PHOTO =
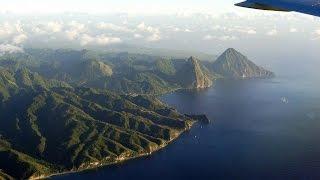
(260, 129)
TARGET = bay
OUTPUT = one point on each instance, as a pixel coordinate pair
(260, 129)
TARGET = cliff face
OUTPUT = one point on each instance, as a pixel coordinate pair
(193, 75)
(201, 79)
(232, 64)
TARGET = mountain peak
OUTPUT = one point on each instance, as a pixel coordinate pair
(94, 68)
(192, 59)
(230, 50)
(233, 64)
(193, 75)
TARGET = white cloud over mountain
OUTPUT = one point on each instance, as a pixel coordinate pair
(113, 27)
(87, 39)
(203, 32)
(220, 38)
(19, 38)
(272, 32)
(9, 48)
(54, 26)
(293, 30)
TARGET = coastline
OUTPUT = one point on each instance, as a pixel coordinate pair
(139, 155)
(117, 161)
(176, 89)
(132, 157)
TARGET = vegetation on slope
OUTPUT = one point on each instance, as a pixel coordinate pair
(64, 129)
(67, 110)
(232, 64)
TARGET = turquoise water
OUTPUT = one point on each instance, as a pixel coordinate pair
(261, 129)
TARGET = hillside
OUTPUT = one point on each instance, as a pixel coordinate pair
(232, 64)
(132, 73)
(66, 110)
(13, 81)
(192, 75)
(49, 131)
(123, 72)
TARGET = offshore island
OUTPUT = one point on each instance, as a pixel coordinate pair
(66, 110)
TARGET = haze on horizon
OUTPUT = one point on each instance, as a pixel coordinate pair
(206, 26)
(85, 85)
(122, 6)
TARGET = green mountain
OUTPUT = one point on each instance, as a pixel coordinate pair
(78, 72)
(63, 129)
(67, 110)
(129, 73)
(192, 75)
(232, 64)
(48, 126)
(165, 67)
(11, 82)
(123, 72)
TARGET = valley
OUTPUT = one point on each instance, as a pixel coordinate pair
(66, 110)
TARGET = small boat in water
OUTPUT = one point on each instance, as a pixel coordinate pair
(284, 100)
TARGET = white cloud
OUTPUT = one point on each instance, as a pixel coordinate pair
(143, 27)
(105, 40)
(220, 38)
(113, 27)
(154, 33)
(293, 30)
(236, 29)
(228, 38)
(77, 26)
(19, 27)
(218, 27)
(6, 29)
(9, 48)
(38, 30)
(75, 30)
(86, 39)
(272, 32)
(71, 34)
(208, 37)
(54, 26)
(244, 30)
(176, 29)
(137, 36)
(316, 34)
(98, 40)
(251, 31)
(19, 39)
(179, 29)
(154, 37)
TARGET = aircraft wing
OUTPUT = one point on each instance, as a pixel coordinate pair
(311, 7)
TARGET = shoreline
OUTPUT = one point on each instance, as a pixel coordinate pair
(129, 158)
(173, 90)
(136, 156)
(115, 162)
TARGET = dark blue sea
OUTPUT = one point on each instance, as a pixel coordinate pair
(260, 129)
